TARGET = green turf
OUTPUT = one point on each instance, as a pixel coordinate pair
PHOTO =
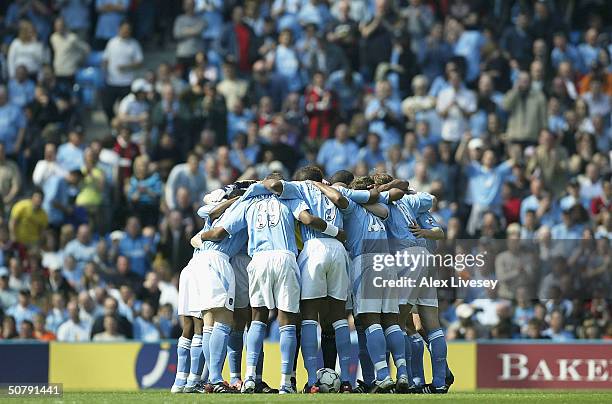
(488, 396)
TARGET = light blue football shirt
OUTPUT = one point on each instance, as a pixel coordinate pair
(231, 245)
(402, 214)
(365, 232)
(269, 221)
(427, 221)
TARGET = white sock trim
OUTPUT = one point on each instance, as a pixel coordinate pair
(250, 372)
(182, 375)
(373, 328)
(307, 322)
(207, 329)
(340, 323)
(400, 362)
(392, 329)
(380, 365)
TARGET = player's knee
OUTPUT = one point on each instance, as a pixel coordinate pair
(309, 310)
(388, 319)
(187, 327)
(259, 314)
(430, 318)
(287, 318)
(223, 315)
(198, 325)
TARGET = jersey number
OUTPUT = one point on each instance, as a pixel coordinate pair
(268, 213)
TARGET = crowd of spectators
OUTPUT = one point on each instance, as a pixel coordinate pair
(501, 109)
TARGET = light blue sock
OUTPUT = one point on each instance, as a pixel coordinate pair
(408, 355)
(288, 345)
(395, 341)
(438, 349)
(206, 333)
(259, 367)
(310, 349)
(234, 354)
(183, 347)
(377, 348)
(255, 338)
(218, 349)
(343, 346)
(195, 354)
(418, 373)
(367, 367)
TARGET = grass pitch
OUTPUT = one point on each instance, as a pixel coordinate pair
(485, 396)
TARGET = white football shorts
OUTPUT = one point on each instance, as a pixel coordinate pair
(367, 297)
(418, 269)
(240, 262)
(213, 283)
(185, 293)
(324, 269)
(274, 281)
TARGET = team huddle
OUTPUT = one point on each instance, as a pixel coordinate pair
(303, 250)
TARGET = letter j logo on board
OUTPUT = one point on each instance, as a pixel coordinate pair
(156, 365)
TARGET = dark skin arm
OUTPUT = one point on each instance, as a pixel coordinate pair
(333, 195)
(318, 224)
(214, 234)
(221, 208)
(433, 234)
(396, 183)
(274, 186)
(396, 194)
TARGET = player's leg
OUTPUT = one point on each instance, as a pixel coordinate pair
(182, 351)
(196, 364)
(417, 348)
(437, 345)
(336, 314)
(218, 347)
(377, 350)
(309, 340)
(288, 342)
(329, 351)
(404, 315)
(286, 293)
(338, 267)
(450, 377)
(242, 316)
(255, 338)
(235, 344)
(394, 336)
(367, 367)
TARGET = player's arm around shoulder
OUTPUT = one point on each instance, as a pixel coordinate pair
(316, 223)
(333, 195)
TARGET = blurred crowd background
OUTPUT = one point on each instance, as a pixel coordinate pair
(500, 108)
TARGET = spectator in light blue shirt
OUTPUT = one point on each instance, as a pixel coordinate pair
(12, 123)
(371, 154)
(557, 331)
(136, 247)
(82, 248)
(24, 309)
(77, 16)
(589, 49)
(70, 154)
(240, 155)
(110, 15)
(565, 52)
(338, 153)
(21, 88)
(238, 120)
(144, 328)
(468, 45)
(384, 113)
(60, 193)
